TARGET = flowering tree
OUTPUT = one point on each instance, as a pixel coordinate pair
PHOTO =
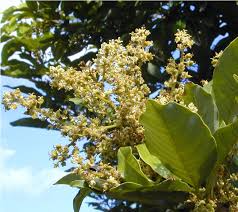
(171, 152)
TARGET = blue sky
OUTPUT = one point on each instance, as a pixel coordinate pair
(26, 173)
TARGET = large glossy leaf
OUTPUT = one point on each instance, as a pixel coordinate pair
(205, 104)
(224, 85)
(181, 140)
(129, 167)
(78, 199)
(226, 137)
(153, 161)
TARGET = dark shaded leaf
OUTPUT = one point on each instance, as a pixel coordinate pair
(29, 122)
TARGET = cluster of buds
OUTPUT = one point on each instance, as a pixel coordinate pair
(216, 58)
(101, 177)
(226, 191)
(225, 194)
(174, 87)
(13, 99)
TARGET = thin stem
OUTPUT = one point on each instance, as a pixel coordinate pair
(110, 127)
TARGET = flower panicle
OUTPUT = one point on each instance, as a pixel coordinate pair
(174, 87)
(112, 88)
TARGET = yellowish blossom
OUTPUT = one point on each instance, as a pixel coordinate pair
(216, 58)
(112, 90)
(174, 87)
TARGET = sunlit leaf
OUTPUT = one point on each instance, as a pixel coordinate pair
(153, 161)
(181, 140)
(205, 104)
(226, 137)
(129, 167)
(224, 86)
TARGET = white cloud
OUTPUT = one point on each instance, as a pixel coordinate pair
(24, 179)
(9, 3)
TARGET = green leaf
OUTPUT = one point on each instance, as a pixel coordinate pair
(126, 187)
(29, 122)
(23, 29)
(181, 140)
(170, 186)
(205, 104)
(166, 185)
(236, 79)
(5, 37)
(208, 87)
(9, 49)
(78, 199)
(152, 197)
(226, 138)
(72, 179)
(222, 124)
(68, 179)
(76, 101)
(78, 184)
(170, 191)
(129, 167)
(153, 161)
(7, 14)
(32, 5)
(224, 86)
